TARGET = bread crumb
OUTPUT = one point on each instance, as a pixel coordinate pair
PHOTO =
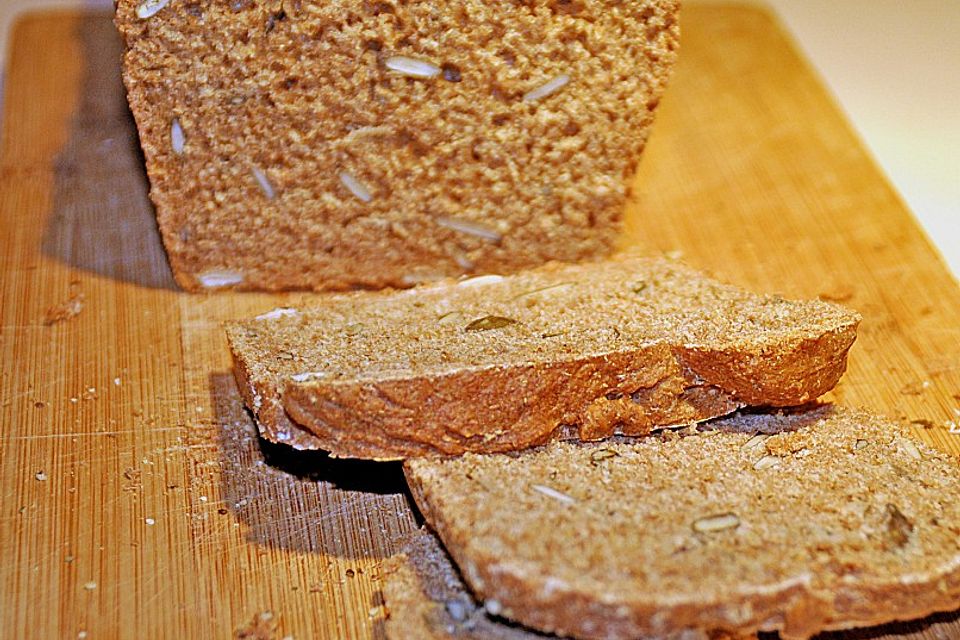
(64, 311)
(915, 388)
(841, 293)
(90, 586)
(40, 475)
(263, 626)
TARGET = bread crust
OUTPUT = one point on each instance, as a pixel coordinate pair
(426, 599)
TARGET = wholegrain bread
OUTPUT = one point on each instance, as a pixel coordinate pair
(836, 520)
(330, 145)
(620, 346)
(426, 599)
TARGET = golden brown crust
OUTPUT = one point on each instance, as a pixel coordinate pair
(734, 531)
(287, 146)
(483, 411)
(621, 346)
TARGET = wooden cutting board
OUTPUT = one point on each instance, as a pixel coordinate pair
(135, 498)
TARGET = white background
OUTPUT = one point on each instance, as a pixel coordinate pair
(894, 67)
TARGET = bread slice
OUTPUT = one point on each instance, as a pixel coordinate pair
(329, 145)
(502, 363)
(837, 520)
(427, 600)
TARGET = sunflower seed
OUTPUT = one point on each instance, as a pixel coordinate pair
(754, 442)
(279, 312)
(147, 8)
(553, 493)
(220, 278)
(719, 522)
(599, 455)
(471, 228)
(265, 185)
(766, 462)
(547, 88)
(355, 187)
(411, 67)
(480, 280)
(177, 139)
(490, 322)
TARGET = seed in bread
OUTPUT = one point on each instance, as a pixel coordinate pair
(330, 145)
(488, 364)
(690, 532)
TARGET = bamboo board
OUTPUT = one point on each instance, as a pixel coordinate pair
(135, 499)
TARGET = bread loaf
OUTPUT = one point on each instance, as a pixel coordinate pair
(620, 346)
(800, 522)
(330, 145)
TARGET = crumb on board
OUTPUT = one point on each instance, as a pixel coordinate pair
(64, 311)
(263, 626)
(840, 293)
(915, 388)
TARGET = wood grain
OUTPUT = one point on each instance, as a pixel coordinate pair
(135, 499)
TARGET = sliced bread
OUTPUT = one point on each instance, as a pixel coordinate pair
(427, 600)
(502, 363)
(334, 144)
(836, 520)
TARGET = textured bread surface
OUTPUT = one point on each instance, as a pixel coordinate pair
(620, 346)
(427, 600)
(329, 145)
(836, 520)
